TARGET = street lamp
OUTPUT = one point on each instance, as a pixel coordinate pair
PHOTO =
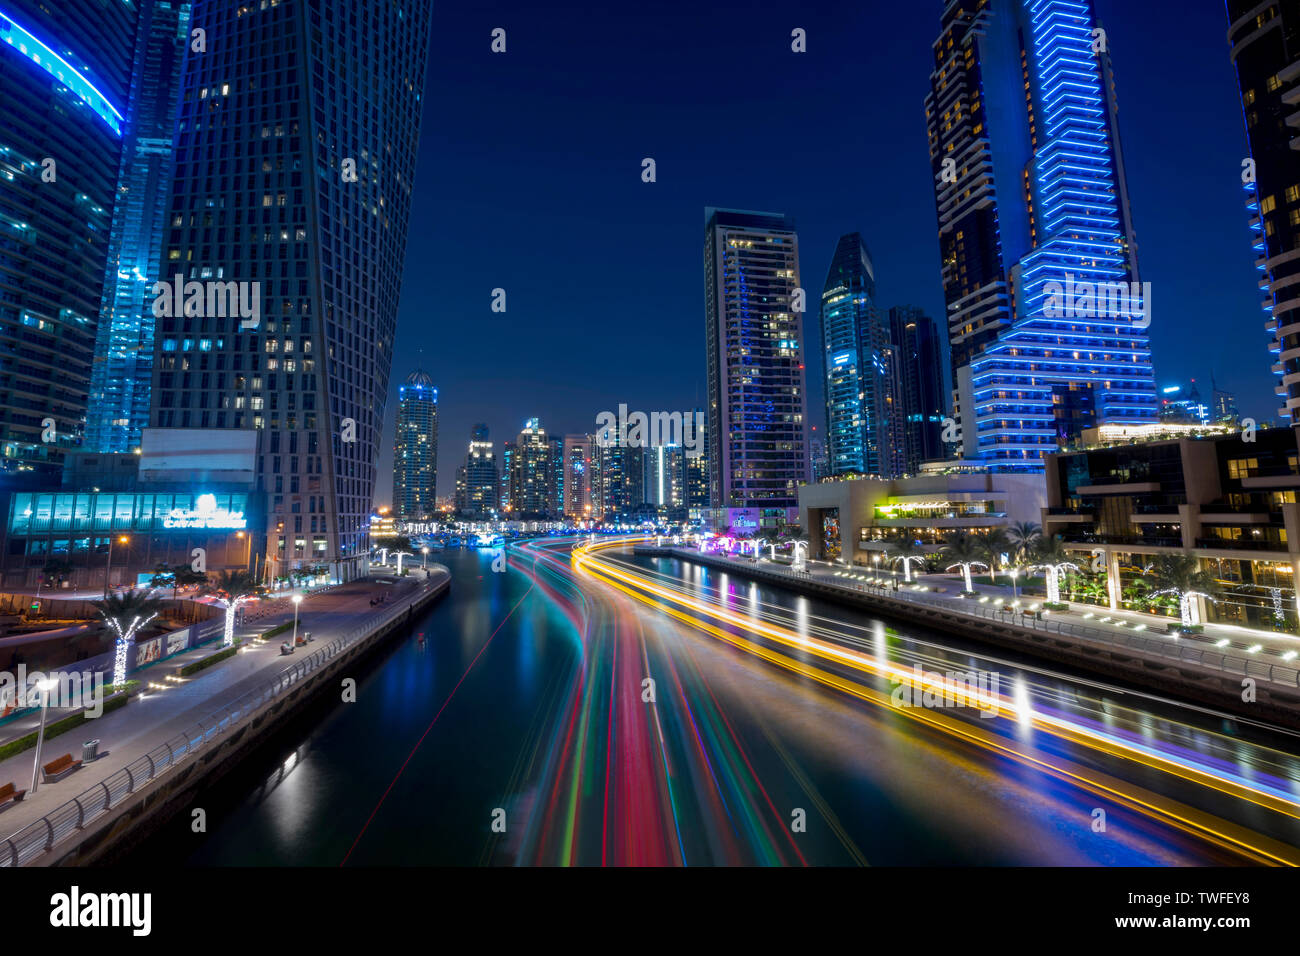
(45, 687)
(109, 570)
(1013, 572)
(424, 561)
(297, 599)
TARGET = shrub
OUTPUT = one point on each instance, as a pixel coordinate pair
(211, 659)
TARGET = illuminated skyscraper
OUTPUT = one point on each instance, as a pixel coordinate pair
(531, 479)
(1265, 41)
(482, 482)
(65, 81)
(123, 370)
(863, 423)
(757, 411)
(415, 454)
(296, 144)
(921, 402)
(578, 474)
(1045, 322)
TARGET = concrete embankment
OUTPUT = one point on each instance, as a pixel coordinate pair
(1194, 672)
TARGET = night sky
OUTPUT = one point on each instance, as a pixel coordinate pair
(530, 180)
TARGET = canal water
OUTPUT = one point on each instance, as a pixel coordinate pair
(451, 723)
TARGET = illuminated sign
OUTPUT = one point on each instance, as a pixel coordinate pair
(205, 515)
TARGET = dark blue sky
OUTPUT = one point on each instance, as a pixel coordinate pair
(529, 180)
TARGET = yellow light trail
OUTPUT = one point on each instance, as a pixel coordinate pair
(1198, 823)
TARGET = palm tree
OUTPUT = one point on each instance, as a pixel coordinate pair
(963, 551)
(1050, 555)
(126, 613)
(993, 545)
(235, 588)
(1182, 576)
(904, 551)
(1023, 535)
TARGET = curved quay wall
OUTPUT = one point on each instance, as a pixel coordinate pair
(124, 808)
(1200, 675)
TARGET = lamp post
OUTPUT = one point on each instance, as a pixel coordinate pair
(45, 687)
(297, 599)
(1013, 572)
(424, 561)
(109, 570)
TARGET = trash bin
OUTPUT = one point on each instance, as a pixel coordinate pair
(89, 750)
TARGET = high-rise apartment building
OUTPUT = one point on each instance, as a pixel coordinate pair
(863, 414)
(530, 472)
(482, 484)
(1265, 49)
(664, 476)
(578, 474)
(295, 153)
(65, 85)
(415, 452)
(1046, 314)
(757, 414)
(919, 360)
(124, 345)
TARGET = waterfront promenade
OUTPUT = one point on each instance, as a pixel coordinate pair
(130, 732)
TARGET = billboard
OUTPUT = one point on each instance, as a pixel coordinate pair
(192, 455)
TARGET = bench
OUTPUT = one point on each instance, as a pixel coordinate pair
(9, 796)
(58, 769)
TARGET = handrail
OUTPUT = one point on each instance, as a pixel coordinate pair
(42, 834)
(1275, 673)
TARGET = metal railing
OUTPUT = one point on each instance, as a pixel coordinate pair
(1171, 648)
(41, 835)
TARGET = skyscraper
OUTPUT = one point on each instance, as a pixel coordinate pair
(65, 81)
(531, 491)
(578, 474)
(863, 427)
(415, 453)
(1265, 41)
(482, 482)
(296, 144)
(123, 369)
(757, 411)
(919, 360)
(1046, 316)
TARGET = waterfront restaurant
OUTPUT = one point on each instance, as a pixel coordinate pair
(854, 519)
(124, 536)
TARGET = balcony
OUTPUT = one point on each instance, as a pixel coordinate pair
(1242, 544)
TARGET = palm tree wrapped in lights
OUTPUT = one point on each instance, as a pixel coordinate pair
(1050, 556)
(1181, 576)
(234, 588)
(963, 551)
(904, 551)
(126, 613)
(1023, 535)
(993, 546)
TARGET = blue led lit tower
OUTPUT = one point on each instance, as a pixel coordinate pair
(64, 79)
(120, 380)
(1046, 312)
(415, 452)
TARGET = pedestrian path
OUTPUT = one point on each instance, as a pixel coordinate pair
(130, 732)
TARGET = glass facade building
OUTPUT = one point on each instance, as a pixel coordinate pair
(1265, 49)
(1046, 317)
(296, 141)
(415, 456)
(123, 369)
(757, 414)
(65, 75)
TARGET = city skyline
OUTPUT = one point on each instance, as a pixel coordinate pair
(827, 187)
